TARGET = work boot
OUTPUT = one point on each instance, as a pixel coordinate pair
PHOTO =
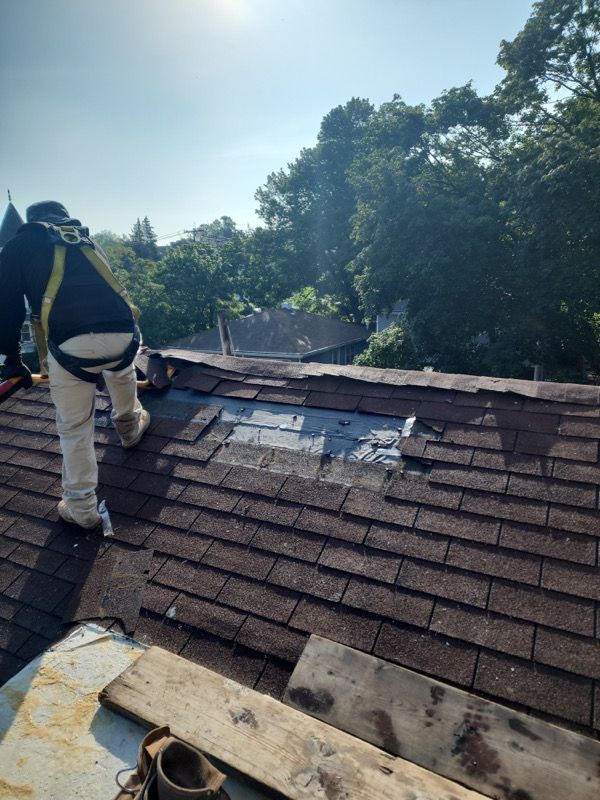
(84, 519)
(132, 429)
(183, 773)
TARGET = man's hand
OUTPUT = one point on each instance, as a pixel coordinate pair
(15, 368)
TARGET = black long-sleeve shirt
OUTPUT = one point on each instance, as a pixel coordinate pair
(85, 302)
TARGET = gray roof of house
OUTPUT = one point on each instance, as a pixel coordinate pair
(278, 332)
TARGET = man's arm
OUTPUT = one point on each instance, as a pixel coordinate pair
(12, 313)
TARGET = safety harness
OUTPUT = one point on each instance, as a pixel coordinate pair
(65, 236)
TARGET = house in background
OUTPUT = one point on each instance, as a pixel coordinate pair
(11, 222)
(396, 313)
(287, 334)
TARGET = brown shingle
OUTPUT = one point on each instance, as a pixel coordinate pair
(489, 630)
(278, 511)
(225, 526)
(309, 578)
(158, 598)
(575, 494)
(574, 471)
(403, 541)
(337, 623)
(443, 581)
(548, 542)
(450, 453)
(419, 490)
(178, 543)
(239, 560)
(207, 616)
(28, 555)
(574, 426)
(392, 407)
(540, 605)
(373, 505)
(512, 462)
(568, 652)
(199, 471)
(317, 493)
(450, 413)
(521, 421)
(426, 652)
(333, 400)
(159, 485)
(461, 525)
(268, 637)
(161, 633)
(192, 578)
(536, 687)
(340, 526)
(167, 513)
(571, 578)
(122, 500)
(283, 395)
(472, 436)
(575, 519)
(388, 601)
(27, 502)
(298, 544)
(236, 389)
(237, 663)
(495, 561)
(360, 560)
(469, 477)
(505, 507)
(258, 481)
(265, 601)
(558, 446)
(210, 497)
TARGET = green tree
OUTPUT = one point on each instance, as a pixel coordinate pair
(393, 348)
(310, 207)
(307, 299)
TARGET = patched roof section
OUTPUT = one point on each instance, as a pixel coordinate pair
(279, 332)
(482, 570)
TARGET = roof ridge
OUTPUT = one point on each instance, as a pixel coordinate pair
(553, 392)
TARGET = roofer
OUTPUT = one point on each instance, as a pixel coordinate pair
(85, 327)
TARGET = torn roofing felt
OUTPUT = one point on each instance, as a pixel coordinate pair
(481, 571)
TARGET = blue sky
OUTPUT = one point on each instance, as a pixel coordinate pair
(179, 109)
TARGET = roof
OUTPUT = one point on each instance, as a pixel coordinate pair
(278, 333)
(11, 222)
(474, 559)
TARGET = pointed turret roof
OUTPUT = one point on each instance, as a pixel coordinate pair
(11, 222)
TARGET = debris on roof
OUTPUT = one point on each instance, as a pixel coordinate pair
(480, 569)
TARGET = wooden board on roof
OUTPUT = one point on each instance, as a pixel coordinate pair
(284, 749)
(488, 747)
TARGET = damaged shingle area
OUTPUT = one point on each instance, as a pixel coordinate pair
(473, 558)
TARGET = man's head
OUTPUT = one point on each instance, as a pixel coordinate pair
(50, 211)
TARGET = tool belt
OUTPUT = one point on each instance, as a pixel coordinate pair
(79, 366)
(66, 236)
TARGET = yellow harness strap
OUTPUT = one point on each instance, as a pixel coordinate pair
(54, 283)
(105, 272)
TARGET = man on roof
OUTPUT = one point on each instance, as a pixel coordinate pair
(85, 328)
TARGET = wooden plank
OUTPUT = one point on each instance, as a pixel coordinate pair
(483, 745)
(286, 750)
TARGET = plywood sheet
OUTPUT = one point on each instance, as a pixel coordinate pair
(278, 746)
(486, 746)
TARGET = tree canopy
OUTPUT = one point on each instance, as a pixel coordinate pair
(479, 212)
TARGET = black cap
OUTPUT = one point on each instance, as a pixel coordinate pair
(50, 211)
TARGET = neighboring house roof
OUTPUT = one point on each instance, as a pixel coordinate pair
(474, 560)
(11, 222)
(278, 333)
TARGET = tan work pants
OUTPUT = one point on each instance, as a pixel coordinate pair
(75, 402)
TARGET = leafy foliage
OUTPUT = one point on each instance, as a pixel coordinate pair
(481, 213)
